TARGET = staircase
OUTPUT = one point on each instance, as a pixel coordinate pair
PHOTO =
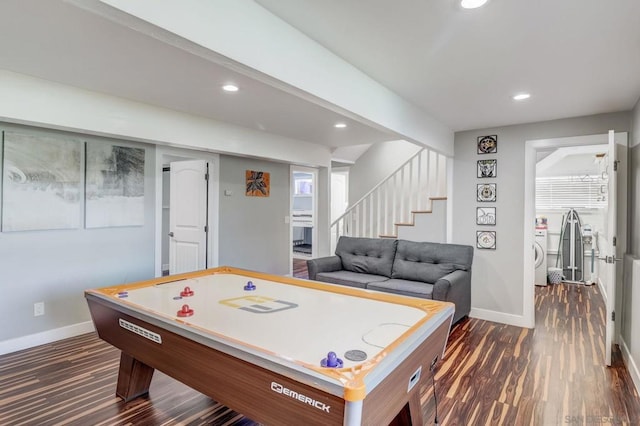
(414, 194)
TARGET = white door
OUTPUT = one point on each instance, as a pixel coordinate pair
(610, 248)
(188, 216)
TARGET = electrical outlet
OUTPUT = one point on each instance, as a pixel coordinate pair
(38, 309)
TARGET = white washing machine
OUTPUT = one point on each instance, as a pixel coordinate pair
(540, 277)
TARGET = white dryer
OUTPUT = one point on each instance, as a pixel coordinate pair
(540, 277)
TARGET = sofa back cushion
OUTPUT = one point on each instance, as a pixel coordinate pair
(428, 262)
(367, 255)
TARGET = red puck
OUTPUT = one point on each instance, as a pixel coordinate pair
(186, 311)
(187, 292)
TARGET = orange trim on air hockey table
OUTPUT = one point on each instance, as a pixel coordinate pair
(351, 378)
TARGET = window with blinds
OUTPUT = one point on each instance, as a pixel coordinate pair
(562, 192)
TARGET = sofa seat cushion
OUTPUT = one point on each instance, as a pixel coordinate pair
(352, 279)
(428, 262)
(367, 255)
(404, 287)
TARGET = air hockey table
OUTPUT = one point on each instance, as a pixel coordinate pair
(279, 350)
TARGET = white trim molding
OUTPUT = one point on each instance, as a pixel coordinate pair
(501, 317)
(630, 363)
(44, 337)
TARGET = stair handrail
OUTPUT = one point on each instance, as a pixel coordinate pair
(385, 180)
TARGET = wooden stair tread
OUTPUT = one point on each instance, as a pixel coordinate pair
(405, 224)
(388, 236)
(437, 198)
(421, 211)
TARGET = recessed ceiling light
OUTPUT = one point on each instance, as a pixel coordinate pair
(521, 96)
(472, 4)
(230, 88)
(340, 125)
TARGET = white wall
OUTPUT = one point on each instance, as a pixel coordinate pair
(497, 288)
(253, 232)
(245, 32)
(634, 182)
(376, 164)
(56, 266)
(28, 100)
(630, 327)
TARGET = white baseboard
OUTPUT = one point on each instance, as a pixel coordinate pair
(501, 317)
(603, 292)
(26, 342)
(630, 363)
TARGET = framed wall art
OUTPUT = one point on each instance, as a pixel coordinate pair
(486, 240)
(486, 192)
(487, 168)
(485, 216)
(488, 144)
(42, 182)
(114, 191)
(258, 184)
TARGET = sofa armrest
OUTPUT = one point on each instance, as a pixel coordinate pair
(456, 288)
(323, 264)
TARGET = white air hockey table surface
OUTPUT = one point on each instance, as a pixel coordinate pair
(325, 341)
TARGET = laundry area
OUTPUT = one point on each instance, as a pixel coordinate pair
(571, 211)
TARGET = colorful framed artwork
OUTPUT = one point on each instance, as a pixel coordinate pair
(487, 192)
(488, 144)
(258, 184)
(485, 216)
(486, 240)
(487, 168)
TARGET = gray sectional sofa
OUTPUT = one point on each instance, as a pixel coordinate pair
(419, 269)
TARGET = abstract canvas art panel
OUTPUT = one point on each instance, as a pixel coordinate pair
(115, 186)
(258, 184)
(42, 182)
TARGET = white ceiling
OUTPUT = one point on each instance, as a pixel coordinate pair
(576, 57)
(571, 161)
(57, 41)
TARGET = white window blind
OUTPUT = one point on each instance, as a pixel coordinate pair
(561, 192)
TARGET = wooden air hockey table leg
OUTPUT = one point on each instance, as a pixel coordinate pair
(411, 413)
(134, 378)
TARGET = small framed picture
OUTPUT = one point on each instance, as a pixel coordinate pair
(487, 192)
(488, 144)
(485, 215)
(487, 168)
(258, 184)
(486, 240)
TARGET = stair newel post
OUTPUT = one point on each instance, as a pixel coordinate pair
(418, 180)
(401, 194)
(379, 228)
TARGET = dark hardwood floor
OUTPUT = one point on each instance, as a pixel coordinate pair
(492, 374)
(300, 268)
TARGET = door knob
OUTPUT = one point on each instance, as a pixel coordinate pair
(171, 234)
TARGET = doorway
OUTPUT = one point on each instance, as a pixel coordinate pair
(571, 202)
(304, 212)
(532, 148)
(209, 209)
